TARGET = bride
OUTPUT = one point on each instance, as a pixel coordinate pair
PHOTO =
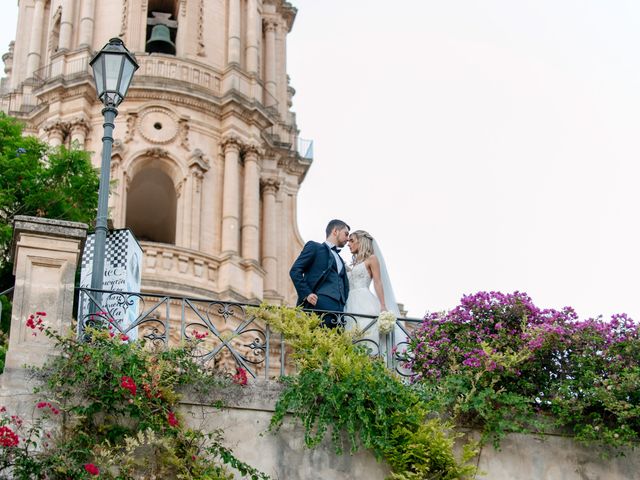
(368, 266)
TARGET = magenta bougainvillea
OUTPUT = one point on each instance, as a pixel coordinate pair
(499, 360)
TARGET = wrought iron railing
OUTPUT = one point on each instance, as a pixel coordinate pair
(225, 334)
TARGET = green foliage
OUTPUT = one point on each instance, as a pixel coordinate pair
(340, 390)
(41, 181)
(119, 404)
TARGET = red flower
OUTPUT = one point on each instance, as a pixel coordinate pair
(171, 418)
(8, 438)
(91, 469)
(128, 384)
(240, 377)
(124, 337)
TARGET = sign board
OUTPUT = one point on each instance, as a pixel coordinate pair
(122, 273)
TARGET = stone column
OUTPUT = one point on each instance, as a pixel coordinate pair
(35, 40)
(87, 13)
(253, 25)
(270, 61)
(269, 244)
(56, 133)
(79, 131)
(196, 200)
(231, 197)
(233, 41)
(46, 254)
(66, 25)
(251, 206)
(281, 65)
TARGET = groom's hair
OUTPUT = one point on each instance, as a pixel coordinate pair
(335, 223)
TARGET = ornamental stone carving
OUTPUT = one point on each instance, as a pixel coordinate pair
(132, 120)
(157, 125)
(156, 152)
(198, 161)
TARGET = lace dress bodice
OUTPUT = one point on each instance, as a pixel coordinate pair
(359, 277)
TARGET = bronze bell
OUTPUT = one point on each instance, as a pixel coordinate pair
(160, 41)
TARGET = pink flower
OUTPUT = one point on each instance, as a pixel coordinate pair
(171, 418)
(128, 384)
(91, 469)
(8, 438)
(240, 377)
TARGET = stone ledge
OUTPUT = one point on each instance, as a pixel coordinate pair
(259, 395)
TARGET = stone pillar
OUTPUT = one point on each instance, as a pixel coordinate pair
(253, 25)
(66, 25)
(231, 197)
(79, 130)
(56, 133)
(35, 41)
(251, 206)
(269, 245)
(270, 61)
(87, 13)
(196, 201)
(281, 65)
(46, 254)
(233, 41)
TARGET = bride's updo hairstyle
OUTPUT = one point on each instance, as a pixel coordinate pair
(365, 249)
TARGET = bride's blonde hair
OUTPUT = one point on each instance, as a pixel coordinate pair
(365, 249)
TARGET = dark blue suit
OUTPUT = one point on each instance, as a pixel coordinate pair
(316, 271)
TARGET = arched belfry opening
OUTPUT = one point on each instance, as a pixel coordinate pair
(151, 206)
(162, 26)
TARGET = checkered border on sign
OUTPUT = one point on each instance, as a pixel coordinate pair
(116, 249)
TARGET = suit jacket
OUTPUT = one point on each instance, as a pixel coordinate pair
(315, 271)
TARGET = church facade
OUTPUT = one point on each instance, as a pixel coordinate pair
(207, 163)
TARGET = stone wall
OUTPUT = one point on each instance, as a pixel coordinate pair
(247, 412)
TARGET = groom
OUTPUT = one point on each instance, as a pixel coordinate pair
(320, 276)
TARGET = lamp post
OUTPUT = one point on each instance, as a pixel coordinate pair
(113, 68)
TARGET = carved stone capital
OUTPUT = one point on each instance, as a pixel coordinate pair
(56, 126)
(231, 143)
(79, 124)
(270, 184)
(253, 152)
(269, 24)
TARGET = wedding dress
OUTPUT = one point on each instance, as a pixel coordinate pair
(362, 300)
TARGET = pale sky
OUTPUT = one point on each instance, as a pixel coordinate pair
(487, 144)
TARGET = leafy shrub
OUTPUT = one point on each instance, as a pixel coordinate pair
(340, 388)
(499, 362)
(119, 403)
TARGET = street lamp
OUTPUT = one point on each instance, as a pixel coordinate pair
(113, 69)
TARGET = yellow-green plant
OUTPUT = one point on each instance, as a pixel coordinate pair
(340, 388)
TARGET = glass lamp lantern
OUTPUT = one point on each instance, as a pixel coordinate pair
(113, 68)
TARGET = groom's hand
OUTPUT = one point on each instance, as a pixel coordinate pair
(312, 299)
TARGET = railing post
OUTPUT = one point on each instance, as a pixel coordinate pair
(46, 254)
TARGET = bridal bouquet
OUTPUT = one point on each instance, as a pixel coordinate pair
(386, 322)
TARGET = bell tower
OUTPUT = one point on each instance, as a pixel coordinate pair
(207, 162)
